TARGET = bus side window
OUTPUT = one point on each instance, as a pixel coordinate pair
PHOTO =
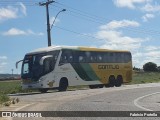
(81, 59)
(118, 57)
(127, 57)
(99, 58)
(93, 59)
(64, 59)
(106, 57)
(47, 65)
(70, 59)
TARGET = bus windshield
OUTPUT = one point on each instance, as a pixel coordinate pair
(31, 68)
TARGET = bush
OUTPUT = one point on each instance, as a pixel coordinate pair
(4, 98)
(150, 67)
(158, 68)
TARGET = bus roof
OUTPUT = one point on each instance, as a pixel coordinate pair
(80, 48)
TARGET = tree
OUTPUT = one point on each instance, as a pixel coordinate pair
(150, 67)
(137, 69)
(158, 68)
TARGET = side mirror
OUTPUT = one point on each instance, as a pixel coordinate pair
(18, 63)
(43, 58)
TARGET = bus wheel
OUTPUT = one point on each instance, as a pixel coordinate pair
(106, 85)
(93, 86)
(43, 90)
(101, 86)
(111, 81)
(63, 84)
(119, 81)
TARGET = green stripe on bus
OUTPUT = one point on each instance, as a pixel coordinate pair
(85, 71)
(89, 71)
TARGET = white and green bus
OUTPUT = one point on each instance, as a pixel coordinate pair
(60, 67)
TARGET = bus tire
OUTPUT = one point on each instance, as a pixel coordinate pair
(101, 86)
(93, 86)
(43, 90)
(119, 81)
(111, 81)
(63, 84)
(106, 85)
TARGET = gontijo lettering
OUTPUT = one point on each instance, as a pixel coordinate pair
(108, 66)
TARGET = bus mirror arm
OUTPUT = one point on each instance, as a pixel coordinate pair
(43, 58)
(18, 63)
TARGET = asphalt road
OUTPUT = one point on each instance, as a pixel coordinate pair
(144, 97)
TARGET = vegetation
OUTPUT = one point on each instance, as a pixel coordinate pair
(3, 98)
(151, 67)
(10, 87)
(145, 77)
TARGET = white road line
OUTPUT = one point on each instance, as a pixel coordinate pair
(139, 98)
(23, 106)
(20, 109)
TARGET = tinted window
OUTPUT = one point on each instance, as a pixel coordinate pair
(73, 56)
(66, 57)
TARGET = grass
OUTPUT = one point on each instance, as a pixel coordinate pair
(4, 98)
(10, 87)
(145, 77)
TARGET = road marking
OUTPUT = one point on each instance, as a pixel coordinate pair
(20, 109)
(139, 98)
(23, 106)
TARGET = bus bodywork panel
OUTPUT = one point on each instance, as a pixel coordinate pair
(82, 66)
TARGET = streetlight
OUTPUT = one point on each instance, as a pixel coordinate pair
(56, 17)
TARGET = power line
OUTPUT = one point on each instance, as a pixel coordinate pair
(83, 15)
(100, 20)
(78, 33)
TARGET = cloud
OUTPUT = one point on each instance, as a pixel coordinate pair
(151, 8)
(152, 48)
(23, 9)
(8, 13)
(151, 11)
(3, 63)
(16, 32)
(11, 12)
(129, 3)
(146, 6)
(116, 40)
(146, 17)
(120, 24)
(152, 56)
(3, 57)
(112, 37)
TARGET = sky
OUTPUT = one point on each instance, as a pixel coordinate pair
(111, 24)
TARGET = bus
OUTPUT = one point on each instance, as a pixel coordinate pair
(58, 67)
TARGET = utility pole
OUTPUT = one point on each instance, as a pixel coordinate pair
(48, 23)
